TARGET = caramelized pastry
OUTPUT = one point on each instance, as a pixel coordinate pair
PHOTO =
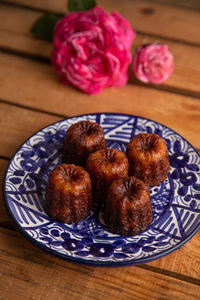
(68, 194)
(104, 166)
(81, 139)
(148, 158)
(128, 209)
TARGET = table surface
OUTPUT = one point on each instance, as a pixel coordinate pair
(32, 97)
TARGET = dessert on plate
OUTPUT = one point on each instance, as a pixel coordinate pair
(81, 139)
(104, 166)
(68, 194)
(148, 158)
(128, 209)
(125, 201)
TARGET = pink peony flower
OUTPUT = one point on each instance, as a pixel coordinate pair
(91, 49)
(153, 63)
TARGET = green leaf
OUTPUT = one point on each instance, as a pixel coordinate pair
(80, 5)
(44, 26)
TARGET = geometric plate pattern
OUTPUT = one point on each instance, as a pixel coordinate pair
(176, 201)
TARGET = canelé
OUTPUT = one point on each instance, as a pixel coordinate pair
(128, 209)
(68, 194)
(81, 139)
(104, 166)
(148, 158)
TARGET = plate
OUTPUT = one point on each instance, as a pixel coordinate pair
(176, 201)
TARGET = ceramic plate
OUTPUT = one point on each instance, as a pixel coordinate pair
(176, 201)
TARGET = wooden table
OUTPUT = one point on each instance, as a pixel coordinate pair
(31, 97)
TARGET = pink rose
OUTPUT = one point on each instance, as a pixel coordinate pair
(153, 63)
(91, 49)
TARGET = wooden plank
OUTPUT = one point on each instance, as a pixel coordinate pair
(16, 36)
(35, 82)
(17, 124)
(166, 21)
(17, 131)
(37, 275)
(193, 4)
(4, 217)
(61, 6)
(178, 260)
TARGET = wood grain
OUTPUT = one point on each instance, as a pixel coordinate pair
(43, 276)
(36, 82)
(166, 21)
(178, 260)
(16, 36)
(20, 124)
(5, 219)
(193, 4)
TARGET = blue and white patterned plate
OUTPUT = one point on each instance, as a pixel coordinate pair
(176, 201)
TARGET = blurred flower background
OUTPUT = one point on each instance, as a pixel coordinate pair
(92, 49)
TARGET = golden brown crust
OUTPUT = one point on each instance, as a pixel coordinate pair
(68, 193)
(104, 166)
(81, 139)
(148, 158)
(128, 209)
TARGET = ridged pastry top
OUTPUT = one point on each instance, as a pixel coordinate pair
(129, 189)
(107, 162)
(86, 133)
(147, 147)
(81, 139)
(69, 178)
(128, 209)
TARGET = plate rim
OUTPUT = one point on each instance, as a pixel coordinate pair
(79, 259)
